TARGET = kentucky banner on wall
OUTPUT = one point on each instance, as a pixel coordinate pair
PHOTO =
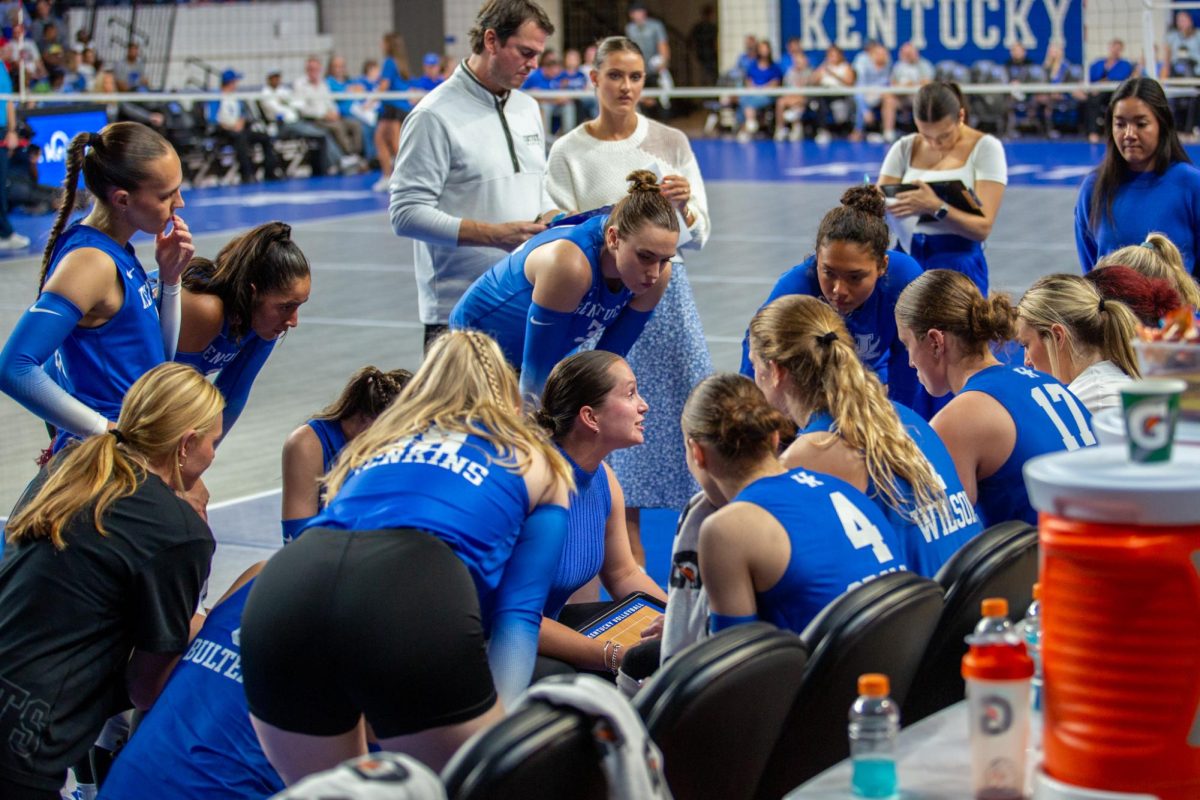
(961, 30)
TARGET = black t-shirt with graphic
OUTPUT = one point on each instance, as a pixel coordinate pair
(70, 619)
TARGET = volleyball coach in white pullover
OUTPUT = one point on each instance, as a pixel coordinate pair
(472, 159)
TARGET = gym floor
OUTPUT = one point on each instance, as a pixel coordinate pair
(765, 200)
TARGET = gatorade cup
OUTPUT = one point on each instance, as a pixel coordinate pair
(1120, 549)
(1151, 411)
(997, 674)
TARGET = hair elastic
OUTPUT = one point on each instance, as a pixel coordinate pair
(1100, 309)
(94, 139)
(1148, 245)
(828, 338)
(116, 434)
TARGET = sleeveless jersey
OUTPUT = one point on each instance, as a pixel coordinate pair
(583, 552)
(873, 324)
(1048, 419)
(332, 438)
(197, 742)
(932, 534)
(498, 302)
(839, 540)
(446, 483)
(98, 365)
(220, 351)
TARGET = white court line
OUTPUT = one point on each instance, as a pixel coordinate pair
(342, 322)
(245, 499)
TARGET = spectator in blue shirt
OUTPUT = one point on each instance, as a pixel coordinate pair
(1114, 68)
(873, 69)
(548, 76)
(431, 73)
(393, 77)
(762, 72)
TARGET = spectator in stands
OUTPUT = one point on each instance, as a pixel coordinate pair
(834, 72)
(558, 113)
(872, 69)
(763, 73)
(43, 16)
(312, 101)
(366, 110)
(911, 70)
(1145, 183)
(131, 73)
(9, 239)
(789, 109)
(73, 75)
(1112, 67)
(88, 64)
(650, 35)
(431, 73)
(280, 112)
(21, 49)
(52, 35)
(1017, 64)
(1058, 70)
(394, 78)
(749, 53)
(1183, 46)
(575, 77)
(235, 126)
(703, 37)
(124, 111)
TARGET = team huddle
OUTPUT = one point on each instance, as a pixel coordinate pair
(444, 529)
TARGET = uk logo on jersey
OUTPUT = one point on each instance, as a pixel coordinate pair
(1026, 371)
(869, 346)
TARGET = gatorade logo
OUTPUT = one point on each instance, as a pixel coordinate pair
(1147, 428)
(997, 716)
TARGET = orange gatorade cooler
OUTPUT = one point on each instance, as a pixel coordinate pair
(1120, 550)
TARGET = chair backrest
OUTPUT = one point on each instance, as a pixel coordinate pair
(948, 70)
(1000, 562)
(716, 709)
(881, 626)
(537, 751)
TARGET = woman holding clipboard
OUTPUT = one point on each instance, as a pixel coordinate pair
(944, 149)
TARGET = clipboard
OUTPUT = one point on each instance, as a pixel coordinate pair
(953, 193)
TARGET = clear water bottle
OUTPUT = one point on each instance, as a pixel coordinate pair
(994, 627)
(1031, 631)
(874, 725)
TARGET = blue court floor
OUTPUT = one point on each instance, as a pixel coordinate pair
(765, 200)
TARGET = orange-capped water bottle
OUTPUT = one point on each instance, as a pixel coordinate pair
(998, 672)
(1120, 549)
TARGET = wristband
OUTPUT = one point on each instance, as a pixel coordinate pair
(170, 289)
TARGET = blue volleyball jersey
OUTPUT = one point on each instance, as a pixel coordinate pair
(583, 551)
(873, 324)
(498, 302)
(197, 742)
(98, 365)
(930, 535)
(447, 483)
(332, 438)
(839, 540)
(1048, 419)
(219, 352)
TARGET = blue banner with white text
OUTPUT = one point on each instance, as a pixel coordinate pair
(959, 30)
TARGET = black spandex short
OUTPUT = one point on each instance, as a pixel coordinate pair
(380, 623)
(392, 113)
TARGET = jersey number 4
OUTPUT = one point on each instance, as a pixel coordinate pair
(859, 530)
(1049, 394)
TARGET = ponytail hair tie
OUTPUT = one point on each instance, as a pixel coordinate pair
(828, 338)
(94, 139)
(1102, 306)
(116, 434)
(1148, 245)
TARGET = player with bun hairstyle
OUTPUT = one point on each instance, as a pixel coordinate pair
(946, 148)
(96, 324)
(805, 364)
(311, 450)
(591, 407)
(238, 305)
(784, 543)
(1150, 299)
(947, 326)
(567, 285)
(445, 524)
(854, 272)
(1084, 340)
(1157, 257)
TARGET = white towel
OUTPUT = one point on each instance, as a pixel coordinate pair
(687, 603)
(375, 776)
(632, 762)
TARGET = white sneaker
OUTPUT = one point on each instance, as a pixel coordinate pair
(874, 138)
(381, 185)
(752, 126)
(710, 124)
(823, 137)
(14, 242)
(797, 132)
(780, 133)
(743, 136)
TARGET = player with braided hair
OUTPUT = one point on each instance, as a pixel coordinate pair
(806, 365)
(573, 283)
(445, 524)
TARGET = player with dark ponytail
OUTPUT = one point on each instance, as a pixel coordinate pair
(856, 274)
(97, 320)
(572, 283)
(1000, 416)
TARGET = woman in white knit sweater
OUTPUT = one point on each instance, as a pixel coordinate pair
(586, 170)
